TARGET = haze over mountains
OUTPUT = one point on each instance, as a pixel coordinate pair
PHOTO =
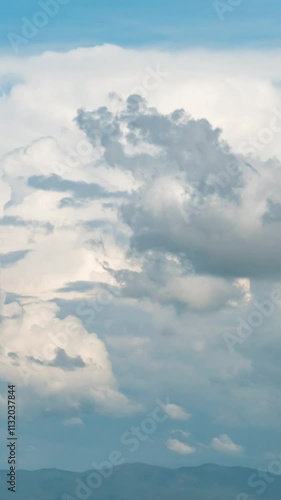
(146, 482)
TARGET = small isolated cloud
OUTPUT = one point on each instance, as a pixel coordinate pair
(224, 444)
(180, 447)
(153, 208)
(176, 412)
(73, 422)
(181, 432)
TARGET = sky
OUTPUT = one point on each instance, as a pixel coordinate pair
(140, 214)
(163, 23)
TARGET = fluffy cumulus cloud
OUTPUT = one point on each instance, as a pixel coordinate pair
(179, 447)
(137, 230)
(57, 358)
(224, 444)
(175, 412)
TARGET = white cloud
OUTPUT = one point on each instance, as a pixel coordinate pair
(223, 87)
(180, 447)
(181, 432)
(176, 412)
(168, 319)
(224, 444)
(58, 359)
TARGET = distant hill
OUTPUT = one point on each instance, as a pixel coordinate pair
(145, 482)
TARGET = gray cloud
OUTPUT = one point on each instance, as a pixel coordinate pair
(273, 213)
(194, 195)
(188, 148)
(81, 190)
(19, 222)
(173, 249)
(11, 258)
(172, 282)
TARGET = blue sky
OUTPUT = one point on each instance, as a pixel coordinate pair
(173, 24)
